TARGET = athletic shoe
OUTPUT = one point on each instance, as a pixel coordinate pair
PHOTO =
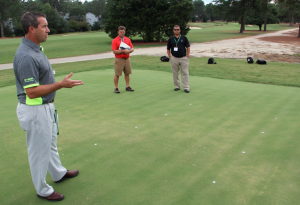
(186, 90)
(129, 89)
(117, 90)
(176, 89)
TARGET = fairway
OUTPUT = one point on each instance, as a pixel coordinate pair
(86, 43)
(224, 143)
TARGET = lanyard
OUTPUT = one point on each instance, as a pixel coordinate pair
(122, 39)
(178, 40)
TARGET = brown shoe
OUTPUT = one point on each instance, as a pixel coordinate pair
(129, 89)
(69, 174)
(55, 196)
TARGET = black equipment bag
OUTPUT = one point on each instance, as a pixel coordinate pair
(261, 61)
(164, 59)
(211, 61)
(250, 60)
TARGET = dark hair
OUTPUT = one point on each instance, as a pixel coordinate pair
(121, 28)
(176, 26)
(30, 19)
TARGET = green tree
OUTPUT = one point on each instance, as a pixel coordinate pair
(257, 17)
(153, 19)
(77, 12)
(56, 23)
(199, 11)
(79, 26)
(58, 5)
(209, 8)
(293, 6)
(235, 9)
(96, 26)
(96, 6)
(9, 9)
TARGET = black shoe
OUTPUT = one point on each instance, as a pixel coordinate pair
(117, 90)
(176, 89)
(129, 89)
(186, 90)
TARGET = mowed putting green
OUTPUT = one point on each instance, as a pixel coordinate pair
(226, 142)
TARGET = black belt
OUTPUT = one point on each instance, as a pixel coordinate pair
(51, 101)
(179, 56)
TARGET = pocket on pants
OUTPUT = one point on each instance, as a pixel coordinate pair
(23, 117)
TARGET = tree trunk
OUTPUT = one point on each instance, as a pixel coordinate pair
(294, 16)
(55, 5)
(291, 20)
(242, 24)
(1, 28)
(259, 27)
(266, 19)
(299, 31)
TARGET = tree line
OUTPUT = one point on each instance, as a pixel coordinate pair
(151, 19)
(12, 10)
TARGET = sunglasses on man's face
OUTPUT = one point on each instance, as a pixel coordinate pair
(176, 29)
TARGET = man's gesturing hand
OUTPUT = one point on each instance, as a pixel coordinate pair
(68, 83)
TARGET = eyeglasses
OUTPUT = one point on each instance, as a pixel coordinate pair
(176, 29)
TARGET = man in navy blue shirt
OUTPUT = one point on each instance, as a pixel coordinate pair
(179, 46)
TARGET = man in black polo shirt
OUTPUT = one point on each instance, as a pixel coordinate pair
(179, 46)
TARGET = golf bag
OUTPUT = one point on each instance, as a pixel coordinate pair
(250, 60)
(261, 61)
(211, 61)
(164, 59)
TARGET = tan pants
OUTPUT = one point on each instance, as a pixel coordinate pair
(184, 64)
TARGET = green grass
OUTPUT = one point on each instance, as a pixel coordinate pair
(168, 159)
(207, 25)
(213, 31)
(273, 73)
(75, 44)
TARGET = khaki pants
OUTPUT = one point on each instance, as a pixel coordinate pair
(41, 138)
(184, 64)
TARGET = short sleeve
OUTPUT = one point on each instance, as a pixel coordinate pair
(130, 44)
(187, 43)
(114, 45)
(28, 72)
(169, 45)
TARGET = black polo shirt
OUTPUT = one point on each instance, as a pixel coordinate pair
(182, 44)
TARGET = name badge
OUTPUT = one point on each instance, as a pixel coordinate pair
(175, 48)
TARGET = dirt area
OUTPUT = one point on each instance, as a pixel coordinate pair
(289, 39)
(281, 46)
